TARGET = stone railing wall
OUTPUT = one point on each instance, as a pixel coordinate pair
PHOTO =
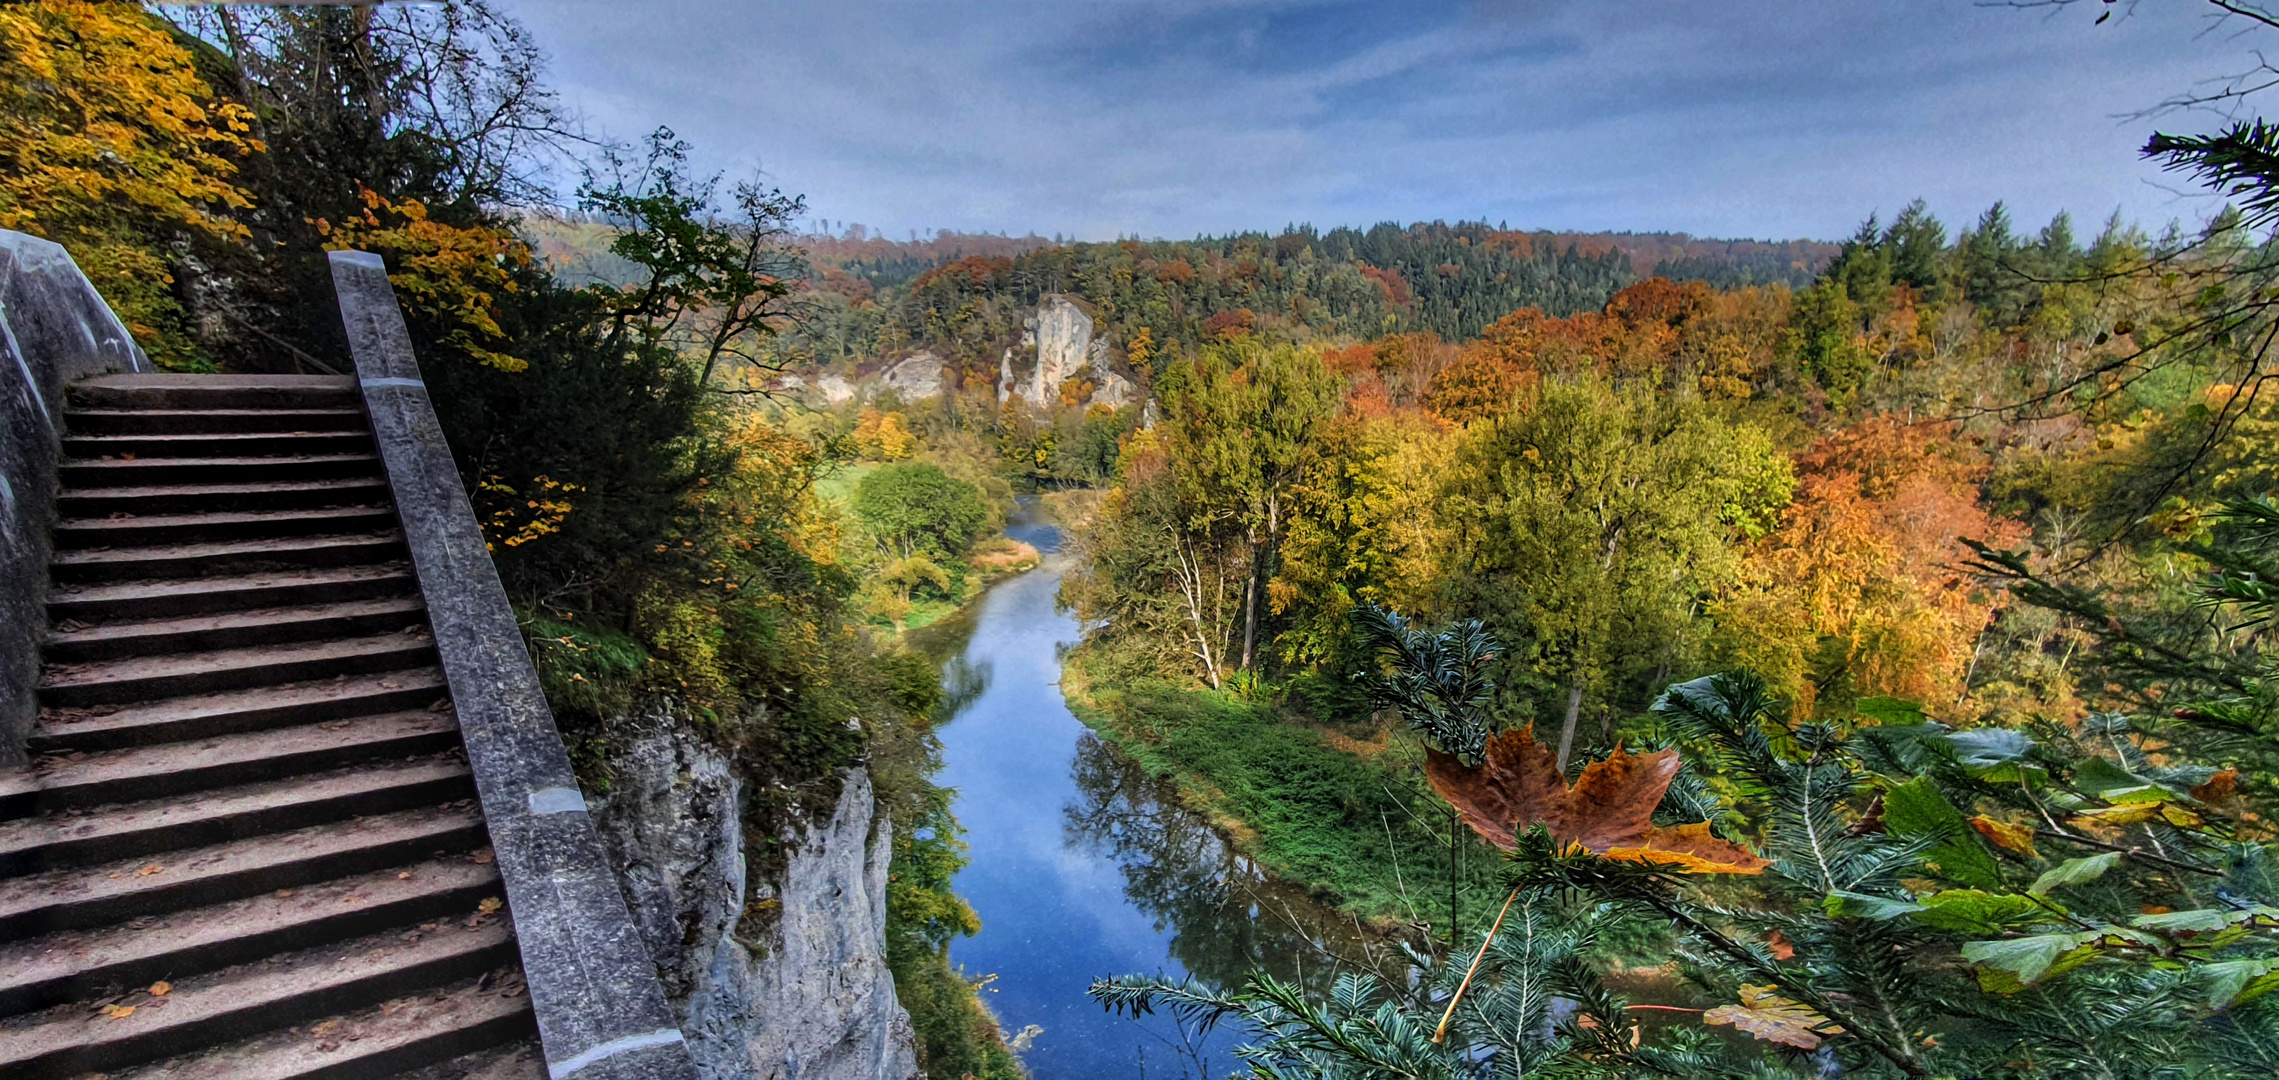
(54, 329)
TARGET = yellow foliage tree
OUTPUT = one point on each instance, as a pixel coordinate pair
(882, 436)
(109, 139)
(449, 274)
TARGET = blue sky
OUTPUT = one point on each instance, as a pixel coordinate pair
(1098, 119)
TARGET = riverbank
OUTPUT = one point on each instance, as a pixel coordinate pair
(1348, 819)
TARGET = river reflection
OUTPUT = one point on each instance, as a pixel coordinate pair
(1083, 866)
(1226, 916)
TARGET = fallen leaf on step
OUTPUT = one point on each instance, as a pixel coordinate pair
(405, 876)
(284, 893)
(489, 904)
(118, 1012)
(153, 868)
(161, 988)
(480, 858)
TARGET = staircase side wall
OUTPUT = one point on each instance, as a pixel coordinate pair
(54, 330)
(602, 1013)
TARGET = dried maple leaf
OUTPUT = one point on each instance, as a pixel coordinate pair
(118, 1012)
(1609, 810)
(489, 904)
(1778, 943)
(1773, 1018)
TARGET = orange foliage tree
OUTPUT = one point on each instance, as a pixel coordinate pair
(108, 137)
(1858, 592)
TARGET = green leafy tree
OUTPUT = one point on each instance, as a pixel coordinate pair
(1241, 421)
(1589, 520)
(912, 508)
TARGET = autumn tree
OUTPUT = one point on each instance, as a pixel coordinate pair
(112, 144)
(1241, 420)
(1588, 522)
(1860, 591)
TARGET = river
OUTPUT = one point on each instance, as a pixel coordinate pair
(1083, 866)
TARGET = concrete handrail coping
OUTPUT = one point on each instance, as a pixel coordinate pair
(54, 330)
(602, 1014)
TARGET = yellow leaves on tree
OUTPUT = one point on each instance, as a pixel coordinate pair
(881, 436)
(1773, 1018)
(1609, 810)
(448, 274)
(1858, 592)
(515, 517)
(108, 136)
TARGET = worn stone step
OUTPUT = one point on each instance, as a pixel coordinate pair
(142, 678)
(203, 716)
(213, 558)
(143, 530)
(210, 498)
(107, 602)
(210, 421)
(476, 1029)
(85, 475)
(94, 896)
(217, 444)
(41, 972)
(168, 391)
(60, 782)
(75, 643)
(241, 1002)
(106, 833)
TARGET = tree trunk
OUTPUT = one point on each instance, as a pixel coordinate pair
(1574, 713)
(1250, 591)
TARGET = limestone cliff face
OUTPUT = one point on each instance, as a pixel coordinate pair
(814, 1000)
(1062, 333)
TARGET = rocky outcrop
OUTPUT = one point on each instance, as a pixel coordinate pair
(917, 378)
(813, 998)
(1062, 334)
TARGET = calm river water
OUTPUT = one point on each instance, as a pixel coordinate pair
(1083, 866)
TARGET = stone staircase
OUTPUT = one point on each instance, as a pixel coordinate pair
(248, 844)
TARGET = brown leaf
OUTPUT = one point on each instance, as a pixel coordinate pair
(1773, 1018)
(1778, 943)
(153, 868)
(118, 1012)
(480, 858)
(1609, 810)
(2016, 839)
(161, 988)
(489, 904)
(2220, 788)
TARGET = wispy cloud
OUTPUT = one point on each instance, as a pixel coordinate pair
(1779, 118)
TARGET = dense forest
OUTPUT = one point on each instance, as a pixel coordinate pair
(1860, 653)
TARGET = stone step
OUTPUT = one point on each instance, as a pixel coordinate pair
(108, 833)
(142, 678)
(210, 498)
(72, 534)
(518, 1060)
(210, 421)
(217, 444)
(166, 391)
(204, 716)
(84, 898)
(60, 782)
(84, 475)
(476, 1029)
(238, 1003)
(216, 558)
(41, 972)
(76, 643)
(108, 602)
